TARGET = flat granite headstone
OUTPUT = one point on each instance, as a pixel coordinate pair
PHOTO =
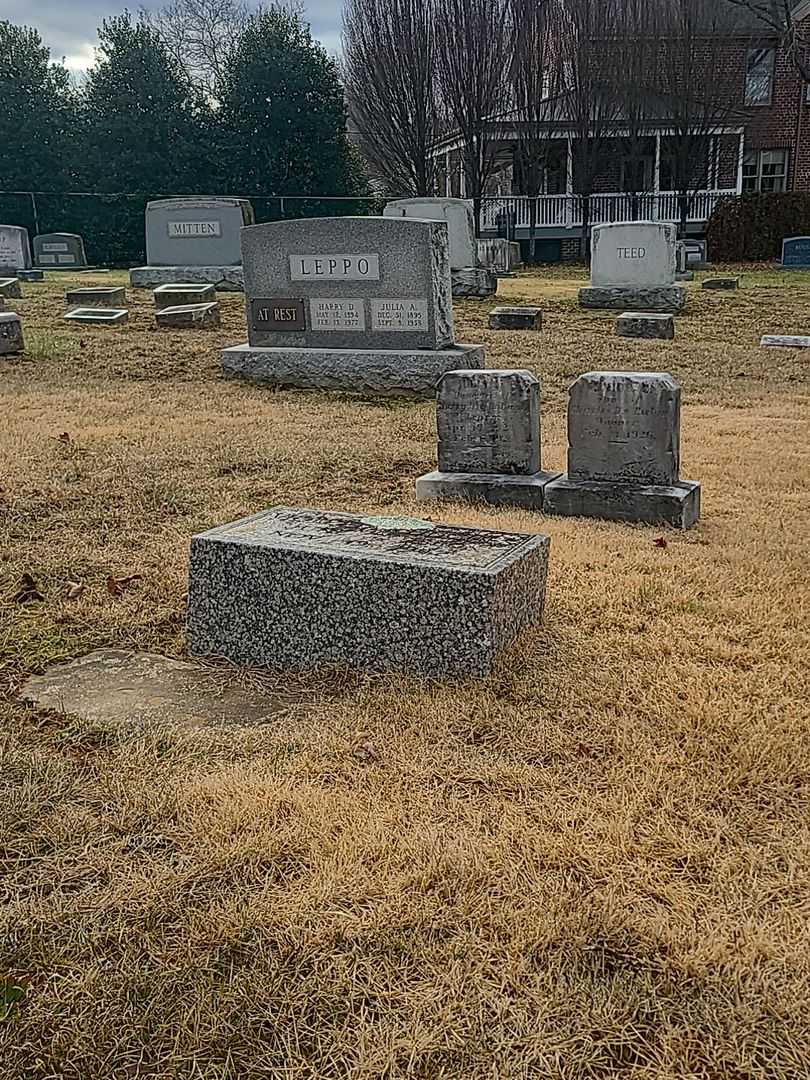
(633, 267)
(730, 283)
(796, 253)
(10, 287)
(189, 316)
(118, 687)
(11, 334)
(100, 315)
(350, 303)
(624, 452)
(98, 297)
(638, 324)
(294, 588)
(785, 341)
(182, 294)
(59, 251)
(15, 248)
(488, 425)
(515, 318)
(194, 240)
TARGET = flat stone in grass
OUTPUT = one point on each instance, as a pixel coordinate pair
(785, 341)
(183, 294)
(99, 316)
(729, 283)
(31, 275)
(515, 318)
(11, 334)
(636, 324)
(488, 425)
(189, 316)
(10, 287)
(100, 297)
(666, 298)
(115, 686)
(293, 588)
(624, 452)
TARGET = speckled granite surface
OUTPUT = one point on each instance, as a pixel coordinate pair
(670, 298)
(291, 588)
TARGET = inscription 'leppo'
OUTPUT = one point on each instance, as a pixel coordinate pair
(335, 267)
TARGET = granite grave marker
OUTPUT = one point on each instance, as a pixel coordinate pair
(15, 250)
(59, 251)
(11, 334)
(796, 253)
(633, 267)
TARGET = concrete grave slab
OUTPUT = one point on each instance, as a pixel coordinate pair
(119, 687)
(11, 334)
(10, 288)
(636, 324)
(223, 278)
(785, 341)
(662, 298)
(189, 316)
(97, 297)
(59, 251)
(101, 316)
(182, 294)
(516, 318)
(294, 588)
(729, 283)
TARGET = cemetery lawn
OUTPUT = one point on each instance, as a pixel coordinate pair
(594, 864)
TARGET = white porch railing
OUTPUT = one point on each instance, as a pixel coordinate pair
(565, 211)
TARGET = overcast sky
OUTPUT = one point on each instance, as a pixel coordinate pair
(68, 27)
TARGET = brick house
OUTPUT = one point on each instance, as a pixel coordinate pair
(761, 142)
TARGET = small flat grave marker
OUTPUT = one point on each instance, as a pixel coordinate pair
(515, 318)
(294, 588)
(796, 253)
(637, 324)
(11, 334)
(189, 316)
(785, 341)
(10, 287)
(728, 283)
(183, 294)
(106, 297)
(107, 316)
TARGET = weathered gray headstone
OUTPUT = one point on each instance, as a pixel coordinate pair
(729, 283)
(785, 341)
(193, 240)
(189, 316)
(638, 324)
(457, 213)
(796, 253)
(103, 316)
(10, 287)
(624, 452)
(11, 334)
(97, 297)
(633, 267)
(695, 254)
(350, 303)
(15, 249)
(502, 256)
(488, 425)
(293, 588)
(184, 293)
(515, 318)
(59, 251)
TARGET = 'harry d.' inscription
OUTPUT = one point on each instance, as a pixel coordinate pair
(349, 303)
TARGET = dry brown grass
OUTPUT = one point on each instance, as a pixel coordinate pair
(594, 864)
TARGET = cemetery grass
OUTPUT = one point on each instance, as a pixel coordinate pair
(595, 863)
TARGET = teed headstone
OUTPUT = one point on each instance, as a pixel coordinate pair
(633, 267)
(624, 452)
(59, 251)
(294, 588)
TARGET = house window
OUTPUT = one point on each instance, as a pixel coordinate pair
(759, 75)
(765, 170)
(638, 174)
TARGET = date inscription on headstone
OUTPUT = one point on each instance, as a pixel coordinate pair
(399, 315)
(278, 314)
(335, 267)
(336, 314)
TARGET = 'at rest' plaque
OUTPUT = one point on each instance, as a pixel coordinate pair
(278, 314)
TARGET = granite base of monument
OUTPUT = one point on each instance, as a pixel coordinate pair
(474, 282)
(677, 505)
(498, 489)
(372, 371)
(666, 298)
(294, 588)
(223, 278)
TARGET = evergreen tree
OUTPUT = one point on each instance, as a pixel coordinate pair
(37, 118)
(282, 121)
(144, 132)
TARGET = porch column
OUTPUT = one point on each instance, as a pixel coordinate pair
(740, 162)
(462, 177)
(569, 180)
(657, 177)
(448, 179)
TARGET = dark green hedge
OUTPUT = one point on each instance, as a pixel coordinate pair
(113, 225)
(751, 228)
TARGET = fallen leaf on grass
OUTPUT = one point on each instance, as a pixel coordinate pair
(64, 438)
(28, 592)
(73, 590)
(661, 542)
(117, 586)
